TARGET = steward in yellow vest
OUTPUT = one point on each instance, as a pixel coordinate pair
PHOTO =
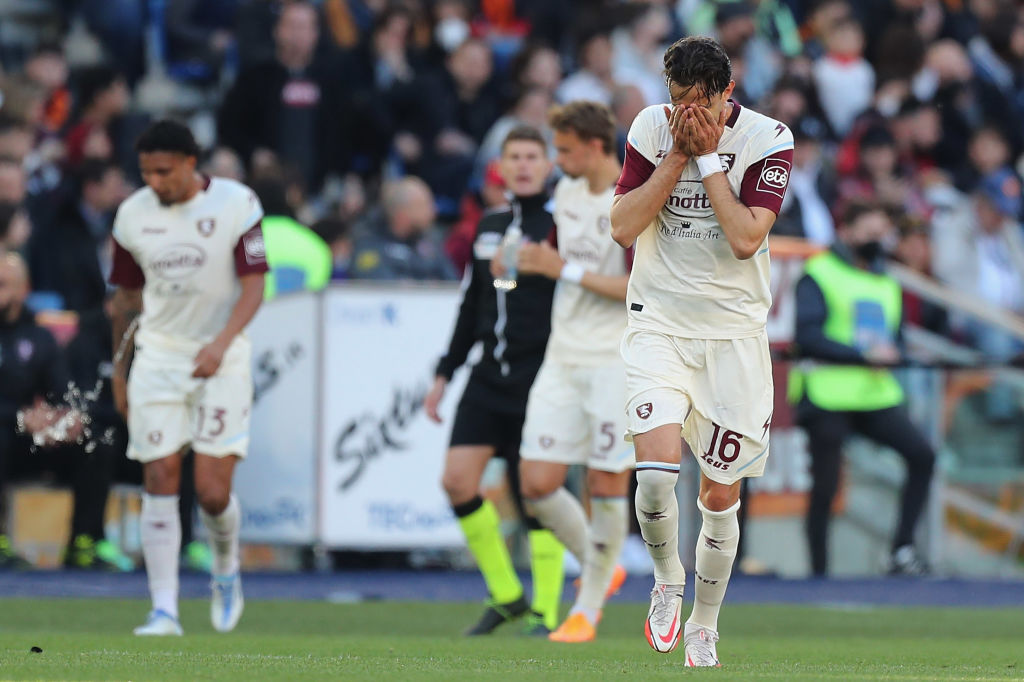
(849, 315)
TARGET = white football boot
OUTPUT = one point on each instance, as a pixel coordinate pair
(699, 643)
(159, 623)
(227, 603)
(664, 620)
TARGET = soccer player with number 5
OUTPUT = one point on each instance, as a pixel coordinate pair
(701, 187)
(189, 258)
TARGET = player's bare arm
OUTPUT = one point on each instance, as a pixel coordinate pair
(542, 259)
(745, 227)
(633, 211)
(209, 357)
(126, 306)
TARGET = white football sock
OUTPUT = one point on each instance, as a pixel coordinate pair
(658, 513)
(716, 550)
(608, 526)
(562, 514)
(223, 530)
(161, 544)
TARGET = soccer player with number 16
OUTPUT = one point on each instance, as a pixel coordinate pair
(700, 189)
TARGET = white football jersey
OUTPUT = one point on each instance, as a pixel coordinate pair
(686, 281)
(187, 258)
(586, 328)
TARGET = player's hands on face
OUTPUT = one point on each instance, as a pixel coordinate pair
(119, 386)
(703, 130)
(677, 125)
(433, 399)
(208, 360)
(540, 259)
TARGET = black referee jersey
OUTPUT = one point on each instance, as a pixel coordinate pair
(513, 325)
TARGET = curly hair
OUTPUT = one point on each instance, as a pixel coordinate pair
(698, 62)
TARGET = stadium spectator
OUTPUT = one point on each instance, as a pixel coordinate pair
(72, 256)
(12, 181)
(979, 249)
(530, 109)
(33, 381)
(198, 34)
(737, 33)
(15, 228)
(627, 102)
(47, 68)
(102, 95)
(336, 234)
(402, 243)
(292, 105)
(805, 210)
(537, 66)
(637, 51)
(849, 316)
(593, 80)
(223, 162)
(845, 80)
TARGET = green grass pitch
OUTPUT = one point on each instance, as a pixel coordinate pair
(89, 639)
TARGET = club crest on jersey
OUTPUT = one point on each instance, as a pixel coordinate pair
(546, 442)
(727, 161)
(644, 411)
(604, 224)
(155, 437)
(774, 177)
(205, 226)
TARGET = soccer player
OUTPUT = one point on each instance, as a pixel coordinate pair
(700, 189)
(575, 413)
(513, 326)
(188, 257)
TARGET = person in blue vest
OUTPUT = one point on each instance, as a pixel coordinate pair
(849, 318)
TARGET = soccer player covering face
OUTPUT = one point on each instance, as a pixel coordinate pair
(575, 413)
(700, 189)
(513, 326)
(189, 259)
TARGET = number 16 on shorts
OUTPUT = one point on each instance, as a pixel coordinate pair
(726, 456)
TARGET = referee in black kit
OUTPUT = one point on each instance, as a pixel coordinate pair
(513, 323)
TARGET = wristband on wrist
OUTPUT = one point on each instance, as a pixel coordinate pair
(709, 164)
(572, 272)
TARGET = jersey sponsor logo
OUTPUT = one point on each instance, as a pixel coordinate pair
(779, 129)
(645, 411)
(255, 249)
(178, 261)
(696, 201)
(774, 177)
(205, 226)
(661, 154)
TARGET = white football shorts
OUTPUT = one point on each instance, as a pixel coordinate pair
(168, 408)
(574, 416)
(719, 391)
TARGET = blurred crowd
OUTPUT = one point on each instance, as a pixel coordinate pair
(374, 125)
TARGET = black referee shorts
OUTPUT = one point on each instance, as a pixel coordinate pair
(487, 417)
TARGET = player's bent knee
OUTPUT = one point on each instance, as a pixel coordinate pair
(162, 476)
(719, 497)
(213, 499)
(458, 487)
